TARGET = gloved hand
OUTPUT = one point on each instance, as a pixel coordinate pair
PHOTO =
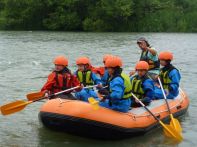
(99, 86)
(80, 88)
(103, 91)
(157, 84)
(47, 94)
(105, 97)
(146, 101)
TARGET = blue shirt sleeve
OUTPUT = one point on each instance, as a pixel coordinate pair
(105, 77)
(96, 79)
(148, 87)
(117, 88)
(175, 77)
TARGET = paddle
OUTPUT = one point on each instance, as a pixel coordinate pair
(174, 122)
(168, 129)
(20, 104)
(36, 95)
(95, 103)
(14, 107)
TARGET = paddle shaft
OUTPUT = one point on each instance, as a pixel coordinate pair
(164, 95)
(145, 107)
(19, 105)
(72, 89)
(64, 92)
(172, 132)
(57, 93)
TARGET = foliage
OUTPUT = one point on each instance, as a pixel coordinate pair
(99, 15)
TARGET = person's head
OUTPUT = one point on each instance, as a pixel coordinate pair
(60, 63)
(165, 58)
(83, 63)
(105, 57)
(142, 68)
(113, 65)
(143, 43)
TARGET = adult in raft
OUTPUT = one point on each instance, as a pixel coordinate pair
(169, 75)
(86, 78)
(119, 86)
(141, 85)
(61, 79)
(149, 55)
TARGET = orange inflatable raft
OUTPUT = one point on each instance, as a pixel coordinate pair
(79, 118)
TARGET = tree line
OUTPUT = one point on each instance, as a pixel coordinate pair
(99, 15)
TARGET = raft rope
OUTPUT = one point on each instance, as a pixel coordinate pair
(158, 113)
(63, 101)
(60, 100)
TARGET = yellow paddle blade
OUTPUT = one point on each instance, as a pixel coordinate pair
(170, 127)
(34, 96)
(14, 107)
(175, 124)
(176, 135)
(169, 131)
(94, 103)
(166, 132)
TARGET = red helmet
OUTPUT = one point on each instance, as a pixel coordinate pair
(142, 65)
(106, 56)
(113, 61)
(166, 56)
(83, 60)
(60, 60)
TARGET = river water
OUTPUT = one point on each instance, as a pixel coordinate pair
(26, 60)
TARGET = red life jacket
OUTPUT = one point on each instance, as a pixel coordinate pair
(63, 81)
(58, 81)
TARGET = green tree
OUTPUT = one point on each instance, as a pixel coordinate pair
(108, 15)
(99, 15)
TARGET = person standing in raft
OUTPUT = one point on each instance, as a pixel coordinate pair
(86, 78)
(170, 77)
(142, 85)
(149, 55)
(61, 79)
(119, 95)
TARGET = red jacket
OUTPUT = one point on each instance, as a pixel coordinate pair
(57, 82)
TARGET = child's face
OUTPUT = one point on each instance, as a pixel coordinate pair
(163, 62)
(59, 67)
(81, 67)
(141, 73)
(110, 71)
